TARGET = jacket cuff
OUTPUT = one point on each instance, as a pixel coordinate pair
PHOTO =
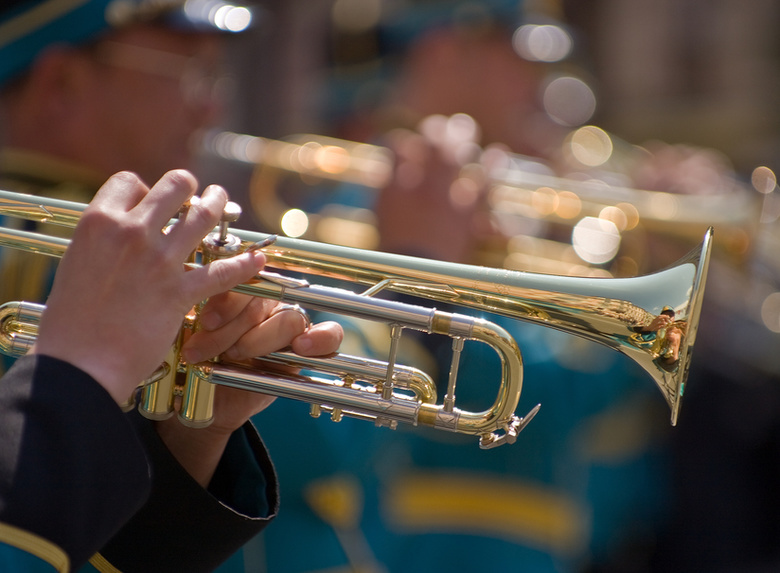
(184, 527)
(72, 469)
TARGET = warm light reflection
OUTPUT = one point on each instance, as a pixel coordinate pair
(527, 253)
(332, 159)
(596, 241)
(770, 312)
(449, 130)
(569, 101)
(376, 162)
(569, 205)
(590, 145)
(348, 233)
(457, 133)
(304, 158)
(631, 213)
(764, 180)
(663, 206)
(235, 146)
(544, 201)
(461, 127)
(542, 43)
(616, 216)
(625, 266)
(294, 223)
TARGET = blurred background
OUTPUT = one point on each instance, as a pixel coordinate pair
(681, 71)
(675, 97)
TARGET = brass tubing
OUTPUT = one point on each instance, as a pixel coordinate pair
(612, 312)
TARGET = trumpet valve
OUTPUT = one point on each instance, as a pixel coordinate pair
(230, 214)
(221, 243)
(197, 407)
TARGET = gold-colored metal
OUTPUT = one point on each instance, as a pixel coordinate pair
(197, 404)
(617, 313)
(308, 155)
(520, 187)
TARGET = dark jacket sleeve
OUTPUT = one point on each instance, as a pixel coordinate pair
(72, 469)
(184, 527)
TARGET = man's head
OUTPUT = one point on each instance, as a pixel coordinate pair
(30, 27)
(113, 84)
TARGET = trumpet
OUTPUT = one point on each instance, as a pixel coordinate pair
(521, 188)
(613, 312)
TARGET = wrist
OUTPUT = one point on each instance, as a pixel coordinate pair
(198, 450)
(107, 376)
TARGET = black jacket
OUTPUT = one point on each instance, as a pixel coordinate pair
(83, 477)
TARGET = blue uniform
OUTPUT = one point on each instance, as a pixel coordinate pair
(583, 481)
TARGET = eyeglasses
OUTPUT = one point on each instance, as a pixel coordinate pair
(199, 84)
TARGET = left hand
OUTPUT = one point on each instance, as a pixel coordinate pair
(239, 327)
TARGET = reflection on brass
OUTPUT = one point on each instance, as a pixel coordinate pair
(618, 313)
(662, 337)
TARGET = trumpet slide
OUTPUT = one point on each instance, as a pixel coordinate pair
(616, 313)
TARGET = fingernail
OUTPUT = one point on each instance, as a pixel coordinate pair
(212, 189)
(259, 258)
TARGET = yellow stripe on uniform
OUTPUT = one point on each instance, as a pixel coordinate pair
(431, 502)
(35, 545)
(102, 565)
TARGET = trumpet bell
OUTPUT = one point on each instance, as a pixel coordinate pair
(618, 313)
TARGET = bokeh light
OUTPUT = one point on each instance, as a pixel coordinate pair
(596, 241)
(223, 15)
(569, 101)
(542, 43)
(295, 223)
(590, 145)
(770, 312)
(764, 180)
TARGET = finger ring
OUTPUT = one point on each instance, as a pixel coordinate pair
(294, 308)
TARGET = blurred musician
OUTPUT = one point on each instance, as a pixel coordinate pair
(582, 487)
(701, 498)
(88, 88)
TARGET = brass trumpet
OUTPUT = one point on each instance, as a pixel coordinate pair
(612, 312)
(521, 187)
